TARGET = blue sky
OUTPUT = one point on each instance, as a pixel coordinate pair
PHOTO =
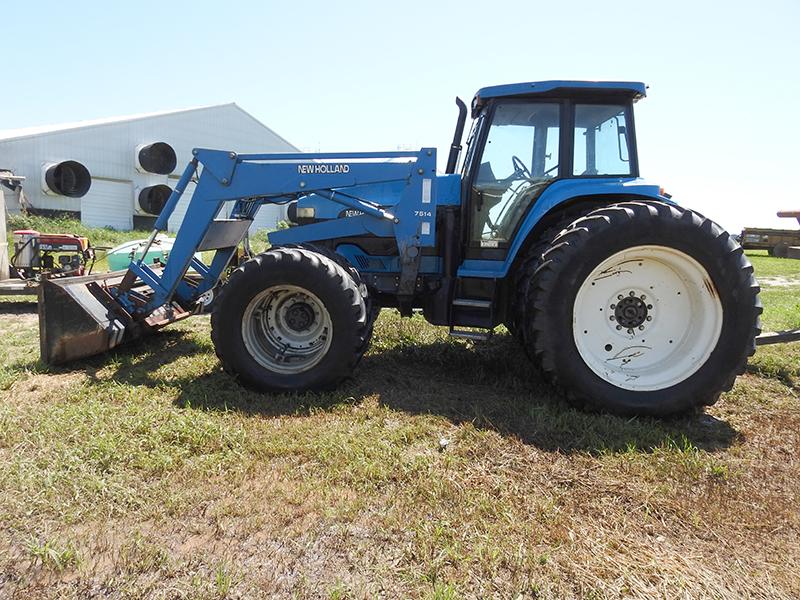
(719, 129)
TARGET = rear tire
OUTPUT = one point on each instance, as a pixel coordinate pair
(528, 266)
(530, 262)
(289, 319)
(677, 342)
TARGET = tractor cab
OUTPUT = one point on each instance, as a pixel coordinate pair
(529, 137)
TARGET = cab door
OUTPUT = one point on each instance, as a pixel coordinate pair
(517, 158)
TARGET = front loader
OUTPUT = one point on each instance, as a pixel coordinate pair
(624, 300)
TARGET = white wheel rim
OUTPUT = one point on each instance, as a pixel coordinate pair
(287, 329)
(665, 321)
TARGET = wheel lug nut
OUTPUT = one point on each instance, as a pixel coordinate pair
(612, 318)
(619, 327)
(613, 306)
(641, 327)
(643, 297)
(649, 306)
(630, 330)
(649, 318)
(619, 297)
(632, 293)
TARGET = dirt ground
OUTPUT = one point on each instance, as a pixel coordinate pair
(149, 473)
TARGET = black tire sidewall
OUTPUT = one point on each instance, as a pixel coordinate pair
(325, 282)
(362, 288)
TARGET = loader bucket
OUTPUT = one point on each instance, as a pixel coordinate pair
(78, 317)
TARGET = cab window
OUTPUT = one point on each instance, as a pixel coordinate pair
(519, 159)
(601, 141)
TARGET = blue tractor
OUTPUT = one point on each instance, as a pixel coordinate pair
(625, 301)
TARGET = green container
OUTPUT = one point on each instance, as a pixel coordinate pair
(120, 257)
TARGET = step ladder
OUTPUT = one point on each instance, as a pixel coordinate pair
(468, 334)
(481, 311)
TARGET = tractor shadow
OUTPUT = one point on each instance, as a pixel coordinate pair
(490, 385)
(135, 363)
(139, 362)
(494, 386)
(18, 307)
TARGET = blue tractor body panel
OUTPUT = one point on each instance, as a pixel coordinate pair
(382, 194)
(335, 221)
(256, 179)
(337, 225)
(559, 193)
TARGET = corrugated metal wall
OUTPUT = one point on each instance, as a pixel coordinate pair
(176, 218)
(108, 150)
(267, 217)
(4, 274)
(108, 204)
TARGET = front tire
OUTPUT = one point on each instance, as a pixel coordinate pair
(372, 310)
(643, 308)
(289, 319)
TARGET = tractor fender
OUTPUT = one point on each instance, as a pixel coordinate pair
(554, 198)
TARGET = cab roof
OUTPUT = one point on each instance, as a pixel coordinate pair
(634, 90)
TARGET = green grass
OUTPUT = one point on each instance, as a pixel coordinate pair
(98, 236)
(770, 266)
(781, 308)
(51, 554)
(780, 290)
(780, 294)
(352, 490)
(148, 472)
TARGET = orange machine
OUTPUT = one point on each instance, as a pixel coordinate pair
(48, 255)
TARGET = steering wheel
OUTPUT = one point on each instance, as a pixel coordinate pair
(520, 168)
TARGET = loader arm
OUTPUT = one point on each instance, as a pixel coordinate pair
(148, 297)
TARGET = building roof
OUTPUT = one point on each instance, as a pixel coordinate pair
(26, 132)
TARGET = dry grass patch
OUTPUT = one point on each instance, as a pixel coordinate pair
(149, 473)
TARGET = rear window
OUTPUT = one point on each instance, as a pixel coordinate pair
(601, 140)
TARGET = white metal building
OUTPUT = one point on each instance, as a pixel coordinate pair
(111, 156)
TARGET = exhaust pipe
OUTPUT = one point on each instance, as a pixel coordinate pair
(455, 147)
(66, 178)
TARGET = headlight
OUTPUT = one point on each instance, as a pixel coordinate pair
(306, 213)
